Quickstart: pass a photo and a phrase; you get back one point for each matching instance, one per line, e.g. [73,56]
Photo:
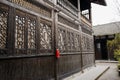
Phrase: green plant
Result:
[117,54]
[118,66]
[114,46]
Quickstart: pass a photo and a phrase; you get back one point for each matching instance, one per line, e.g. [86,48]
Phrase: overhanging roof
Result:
[101,2]
[86,4]
[106,29]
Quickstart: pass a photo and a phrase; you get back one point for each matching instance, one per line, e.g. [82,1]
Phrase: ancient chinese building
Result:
[103,33]
[32,30]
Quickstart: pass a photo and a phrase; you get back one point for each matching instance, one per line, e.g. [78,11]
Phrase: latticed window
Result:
[72,42]
[3,29]
[61,39]
[20,32]
[31,5]
[68,41]
[31,34]
[45,35]
[87,43]
[83,42]
[77,42]
[92,45]
[25,32]
[67,22]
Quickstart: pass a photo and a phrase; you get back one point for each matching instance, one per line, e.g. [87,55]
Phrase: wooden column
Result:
[54,25]
[11,30]
[90,15]
[79,16]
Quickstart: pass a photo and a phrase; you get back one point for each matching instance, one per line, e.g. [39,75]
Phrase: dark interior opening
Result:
[84,4]
[74,2]
[101,52]
[100,2]
[104,49]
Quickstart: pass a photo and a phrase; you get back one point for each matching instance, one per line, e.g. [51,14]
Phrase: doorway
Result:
[101,52]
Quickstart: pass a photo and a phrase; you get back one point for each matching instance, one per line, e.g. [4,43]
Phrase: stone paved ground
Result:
[110,74]
[98,72]
[91,73]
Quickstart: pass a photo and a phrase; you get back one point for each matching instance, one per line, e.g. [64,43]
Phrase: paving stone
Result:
[90,74]
[111,74]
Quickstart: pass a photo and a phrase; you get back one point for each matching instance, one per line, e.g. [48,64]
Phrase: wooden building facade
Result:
[103,33]
[32,30]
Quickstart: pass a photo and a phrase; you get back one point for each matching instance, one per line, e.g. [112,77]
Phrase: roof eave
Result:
[100,2]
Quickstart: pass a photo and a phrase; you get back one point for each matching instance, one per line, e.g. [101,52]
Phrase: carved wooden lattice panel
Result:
[86,30]
[83,42]
[61,39]
[67,22]
[19,32]
[25,33]
[3,29]
[72,41]
[68,41]
[87,43]
[77,42]
[31,34]
[31,5]
[51,1]
[45,36]
[92,44]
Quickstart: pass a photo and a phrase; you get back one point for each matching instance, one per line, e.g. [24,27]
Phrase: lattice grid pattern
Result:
[72,41]
[45,36]
[61,39]
[67,22]
[19,32]
[31,34]
[3,28]
[68,41]
[84,42]
[92,44]
[87,43]
[77,42]
[31,6]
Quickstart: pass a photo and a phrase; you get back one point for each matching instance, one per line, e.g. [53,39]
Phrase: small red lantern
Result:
[57,53]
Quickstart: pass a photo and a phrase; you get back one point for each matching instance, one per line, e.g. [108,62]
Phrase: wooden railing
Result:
[51,0]
[65,4]
[86,20]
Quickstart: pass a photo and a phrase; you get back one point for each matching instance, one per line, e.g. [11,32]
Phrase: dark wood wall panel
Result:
[68,64]
[40,68]
[88,60]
